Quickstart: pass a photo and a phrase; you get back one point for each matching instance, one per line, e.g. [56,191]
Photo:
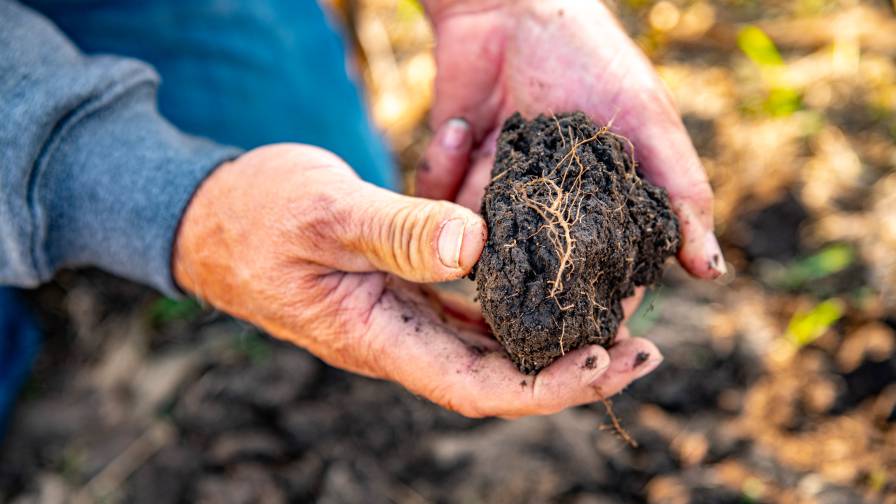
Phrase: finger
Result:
[630,304]
[433,360]
[643,112]
[414,238]
[350,225]
[446,161]
[490,385]
[473,188]
[630,359]
[700,252]
[667,158]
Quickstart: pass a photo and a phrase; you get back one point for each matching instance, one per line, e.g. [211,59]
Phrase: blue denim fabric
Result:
[240,72]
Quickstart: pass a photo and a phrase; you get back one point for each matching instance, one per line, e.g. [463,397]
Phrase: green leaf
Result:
[781,98]
[782,101]
[831,259]
[806,327]
[757,46]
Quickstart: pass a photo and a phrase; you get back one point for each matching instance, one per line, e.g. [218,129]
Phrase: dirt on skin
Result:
[573,229]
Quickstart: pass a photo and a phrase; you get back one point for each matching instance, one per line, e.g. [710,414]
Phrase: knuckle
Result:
[408,236]
[313,158]
[541,402]
[316,222]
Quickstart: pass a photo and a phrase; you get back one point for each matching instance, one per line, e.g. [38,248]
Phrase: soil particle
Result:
[641,358]
[590,362]
[572,230]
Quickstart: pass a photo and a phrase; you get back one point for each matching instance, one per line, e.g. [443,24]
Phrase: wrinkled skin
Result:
[289,238]
[541,56]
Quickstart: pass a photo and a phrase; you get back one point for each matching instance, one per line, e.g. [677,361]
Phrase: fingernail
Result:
[713,252]
[451,238]
[455,134]
[593,367]
[646,362]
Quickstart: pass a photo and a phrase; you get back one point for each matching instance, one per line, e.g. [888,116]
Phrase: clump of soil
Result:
[573,228]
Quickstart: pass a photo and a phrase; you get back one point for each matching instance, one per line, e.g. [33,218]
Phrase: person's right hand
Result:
[289,238]
[497,57]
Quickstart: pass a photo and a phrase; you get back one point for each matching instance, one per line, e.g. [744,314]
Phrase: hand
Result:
[495,57]
[289,238]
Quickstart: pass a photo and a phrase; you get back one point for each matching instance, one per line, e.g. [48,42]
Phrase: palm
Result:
[438,346]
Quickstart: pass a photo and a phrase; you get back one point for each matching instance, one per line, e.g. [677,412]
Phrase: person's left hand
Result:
[495,57]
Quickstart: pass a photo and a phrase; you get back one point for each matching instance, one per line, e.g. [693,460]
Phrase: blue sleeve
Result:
[90,173]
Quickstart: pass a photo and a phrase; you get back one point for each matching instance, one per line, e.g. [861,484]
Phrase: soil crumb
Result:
[641,358]
[590,362]
[573,229]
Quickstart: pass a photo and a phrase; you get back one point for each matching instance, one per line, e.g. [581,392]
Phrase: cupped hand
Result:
[495,57]
[289,238]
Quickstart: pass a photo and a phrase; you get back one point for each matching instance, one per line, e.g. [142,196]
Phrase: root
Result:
[617,426]
[562,334]
[498,176]
[559,129]
[559,205]
[592,299]
[559,218]
[563,209]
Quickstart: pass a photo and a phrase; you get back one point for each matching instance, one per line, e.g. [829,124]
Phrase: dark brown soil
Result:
[573,229]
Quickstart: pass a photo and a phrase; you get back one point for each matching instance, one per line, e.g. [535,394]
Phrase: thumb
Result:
[417,239]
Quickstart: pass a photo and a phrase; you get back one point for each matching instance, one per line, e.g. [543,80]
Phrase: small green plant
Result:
[829,260]
[807,326]
[781,99]
[757,46]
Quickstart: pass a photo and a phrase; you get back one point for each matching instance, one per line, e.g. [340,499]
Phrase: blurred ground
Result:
[779,383]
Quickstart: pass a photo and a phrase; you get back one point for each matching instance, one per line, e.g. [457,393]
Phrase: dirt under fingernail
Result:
[641,358]
[590,362]
[573,229]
